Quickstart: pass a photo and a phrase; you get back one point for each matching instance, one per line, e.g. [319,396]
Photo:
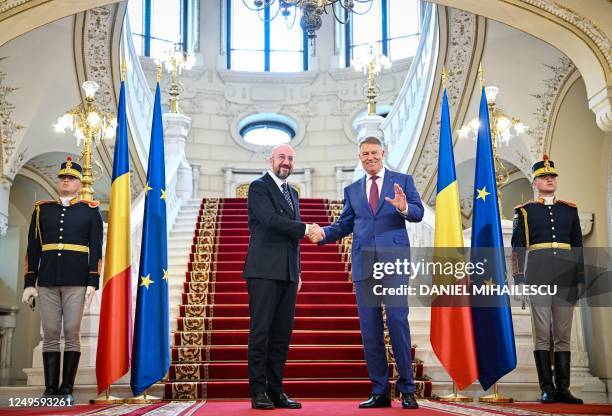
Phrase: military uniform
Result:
[63,258]
[547,250]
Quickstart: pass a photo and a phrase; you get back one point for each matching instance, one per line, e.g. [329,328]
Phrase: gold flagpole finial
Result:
[123,70]
[481,75]
[159,72]
[444,76]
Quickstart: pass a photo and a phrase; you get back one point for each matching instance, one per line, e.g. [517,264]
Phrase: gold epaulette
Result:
[571,204]
[92,204]
[523,204]
[45,201]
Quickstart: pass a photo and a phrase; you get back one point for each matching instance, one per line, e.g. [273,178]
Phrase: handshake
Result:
[315,233]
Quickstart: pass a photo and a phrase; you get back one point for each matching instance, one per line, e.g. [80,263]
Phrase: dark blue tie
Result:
[286,195]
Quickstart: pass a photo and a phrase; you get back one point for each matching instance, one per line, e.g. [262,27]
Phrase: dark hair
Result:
[371,140]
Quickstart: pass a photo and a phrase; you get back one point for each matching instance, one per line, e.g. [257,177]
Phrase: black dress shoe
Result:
[409,401]
[284,402]
[261,401]
[376,400]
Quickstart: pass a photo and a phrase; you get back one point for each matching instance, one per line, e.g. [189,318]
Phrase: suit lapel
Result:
[296,203]
[363,197]
[278,194]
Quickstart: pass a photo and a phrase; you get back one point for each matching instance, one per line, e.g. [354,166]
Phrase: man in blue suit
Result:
[375,211]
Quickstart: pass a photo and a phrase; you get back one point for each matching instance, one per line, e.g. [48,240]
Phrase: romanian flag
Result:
[451,331]
[491,314]
[151,353]
[115,330]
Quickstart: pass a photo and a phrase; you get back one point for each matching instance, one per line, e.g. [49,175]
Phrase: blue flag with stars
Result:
[493,330]
[151,345]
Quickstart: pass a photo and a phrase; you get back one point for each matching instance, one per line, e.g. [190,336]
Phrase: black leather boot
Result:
[562,378]
[69,371]
[51,367]
[545,377]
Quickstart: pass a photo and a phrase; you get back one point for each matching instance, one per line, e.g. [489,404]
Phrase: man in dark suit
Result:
[272,270]
[379,235]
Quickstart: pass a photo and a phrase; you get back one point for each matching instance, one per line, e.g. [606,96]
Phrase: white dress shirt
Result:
[279,182]
[379,182]
[66,200]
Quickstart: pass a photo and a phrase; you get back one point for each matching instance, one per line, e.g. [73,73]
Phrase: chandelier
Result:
[175,60]
[503,129]
[90,125]
[371,64]
[311,11]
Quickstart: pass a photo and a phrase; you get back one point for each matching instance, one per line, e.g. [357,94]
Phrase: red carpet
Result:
[210,346]
[564,409]
[310,407]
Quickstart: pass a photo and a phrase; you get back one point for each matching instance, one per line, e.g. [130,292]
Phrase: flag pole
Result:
[496,397]
[106,398]
[455,396]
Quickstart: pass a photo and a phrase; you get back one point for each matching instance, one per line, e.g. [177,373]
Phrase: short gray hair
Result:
[371,140]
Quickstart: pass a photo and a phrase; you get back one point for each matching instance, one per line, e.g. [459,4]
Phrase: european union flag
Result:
[493,330]
[151,347]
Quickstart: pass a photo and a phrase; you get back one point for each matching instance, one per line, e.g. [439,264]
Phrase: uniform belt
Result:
[554,244]
[70,247]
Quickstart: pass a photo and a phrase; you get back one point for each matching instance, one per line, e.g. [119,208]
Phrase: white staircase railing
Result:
[404,123]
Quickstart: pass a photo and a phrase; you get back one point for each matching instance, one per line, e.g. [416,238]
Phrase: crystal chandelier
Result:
[90,126]
[311,11]
[503,129]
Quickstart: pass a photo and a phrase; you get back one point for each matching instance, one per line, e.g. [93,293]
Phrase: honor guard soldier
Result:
[63,259]
[547,250]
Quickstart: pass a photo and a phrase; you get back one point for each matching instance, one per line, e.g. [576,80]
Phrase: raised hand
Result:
[399,201]
[315,233]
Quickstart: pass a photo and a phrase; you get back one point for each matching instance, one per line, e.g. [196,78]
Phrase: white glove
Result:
[90,294]
[29,293]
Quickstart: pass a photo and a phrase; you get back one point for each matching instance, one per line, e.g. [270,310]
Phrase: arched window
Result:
[267,129]
[159,25]
[393,26]
[264,41]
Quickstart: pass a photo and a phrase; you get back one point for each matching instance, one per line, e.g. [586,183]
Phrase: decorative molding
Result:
[586,222]
[461,48]
[581,22]
[283,78]
[3,224]
[8,126]
[98,29]
[546,109]
[6,5]
[97,36]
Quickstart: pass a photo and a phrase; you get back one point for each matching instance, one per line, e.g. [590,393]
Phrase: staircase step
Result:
[298,370]
[238,337]
[306,266]
[307,275]
[240,310]
[242,323]
[307,286]
[305,256]
[242,297]
[214,353]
